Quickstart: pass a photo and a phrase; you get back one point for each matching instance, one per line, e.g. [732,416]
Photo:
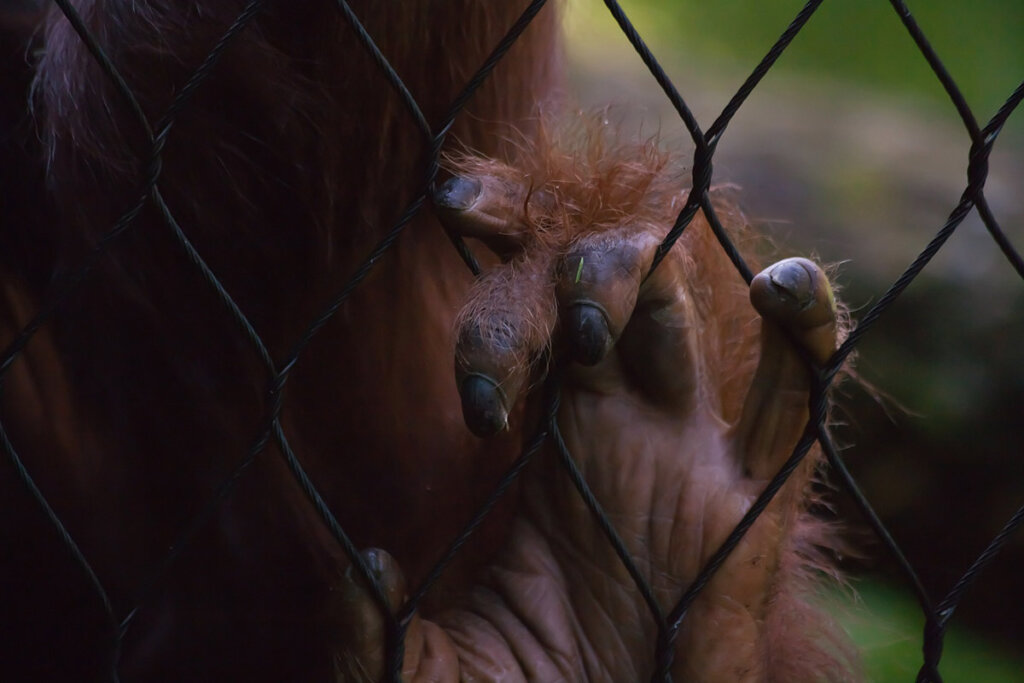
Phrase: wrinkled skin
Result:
[646,416]
[140,395]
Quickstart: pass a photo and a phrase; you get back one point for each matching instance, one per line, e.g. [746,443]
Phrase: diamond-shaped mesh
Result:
[937,613]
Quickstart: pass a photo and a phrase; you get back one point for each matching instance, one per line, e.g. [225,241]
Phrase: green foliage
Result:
[862,41]
[888,630]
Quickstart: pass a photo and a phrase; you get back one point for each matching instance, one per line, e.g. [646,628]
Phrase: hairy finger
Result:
[361,625]
[489,208]
[798,308]
[597,285]
[796,295]
[504,328]
[608,300]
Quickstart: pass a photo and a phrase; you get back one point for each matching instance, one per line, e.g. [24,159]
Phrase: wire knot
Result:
[702,168]
[977,166]
[932,649]
[664,656]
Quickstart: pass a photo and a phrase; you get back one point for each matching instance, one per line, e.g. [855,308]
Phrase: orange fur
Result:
[141,396]
[591,177]
[284,168]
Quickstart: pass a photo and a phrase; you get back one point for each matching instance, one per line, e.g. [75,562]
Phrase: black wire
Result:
[982,138]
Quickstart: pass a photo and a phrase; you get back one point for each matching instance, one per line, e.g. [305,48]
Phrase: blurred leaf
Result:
[862,41]
[888,628]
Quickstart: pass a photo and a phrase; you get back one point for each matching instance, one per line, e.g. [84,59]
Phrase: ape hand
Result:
[672,426]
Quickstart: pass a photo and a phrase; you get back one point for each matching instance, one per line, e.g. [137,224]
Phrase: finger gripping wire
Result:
[269,431]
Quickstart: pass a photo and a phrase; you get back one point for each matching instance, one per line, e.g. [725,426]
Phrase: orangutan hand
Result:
[664,413]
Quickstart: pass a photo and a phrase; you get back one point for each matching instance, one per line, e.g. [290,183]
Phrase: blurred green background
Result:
[850,151]
[857,41]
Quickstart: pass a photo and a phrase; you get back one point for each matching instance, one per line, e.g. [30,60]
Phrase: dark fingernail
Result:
[587,329]
[792,281]
[375,561]
[458,193]
[483,406]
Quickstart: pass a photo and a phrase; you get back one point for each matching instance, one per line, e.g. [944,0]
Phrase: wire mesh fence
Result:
[937,611]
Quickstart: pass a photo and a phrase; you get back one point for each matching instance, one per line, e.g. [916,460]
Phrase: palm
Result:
[664,415]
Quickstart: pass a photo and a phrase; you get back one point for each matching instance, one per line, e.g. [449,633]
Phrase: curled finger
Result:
[504,328]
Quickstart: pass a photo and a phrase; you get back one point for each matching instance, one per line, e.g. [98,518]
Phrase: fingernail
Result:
[458,193]
[792,280]
[483,405]
[587,329]
[374,561]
